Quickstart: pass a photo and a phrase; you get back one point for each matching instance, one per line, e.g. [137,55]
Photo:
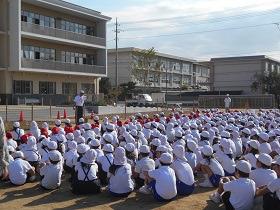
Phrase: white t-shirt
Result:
[165,182]
[12,143]
[227,102]
[214,165]
[69,157]
[18,171]
[242,193]
[274,186]
[146,164]
[80,100]
[52,175]
[238,147]
[183,171]
[16,134]
[121,182]
[91,172]
[31,155]
[100,153]
[192,159]
[106,162]
[227,163]
[262,176]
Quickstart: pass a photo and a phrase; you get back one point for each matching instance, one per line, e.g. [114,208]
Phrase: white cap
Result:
[144,149]
[192,145]
[96,118]
[205,134]
[16,124]
[89,157]
[11,149]
[265,159]
[82,92]
[155,124]
[57,122]
[243,166]
[253,143]
[129,147]
[80,140]
[179,152]
[156,133]
[277,161]
[161,127]
[81,120]
[246,131]
[207,150]
[108,137]
[265,148]
[134,133]
[108,148]
[70,136]
[162,148]
[61,138]
[156,142]
[166,158]
[119,156]
[225,134]
[147,125]
[87,126]
[193,125]
[82,148]
[18,154]
[94,143]
[110,126]
[178,134]
[55,156]
[264,136]
[72,145]
[31,141]
[67,121]
[52,145]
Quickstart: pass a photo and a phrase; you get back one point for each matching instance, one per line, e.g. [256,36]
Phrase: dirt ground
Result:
[31,196]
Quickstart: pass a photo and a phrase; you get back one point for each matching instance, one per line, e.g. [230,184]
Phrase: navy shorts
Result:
[120,195]
[184,189]
[157,197]
[215,179]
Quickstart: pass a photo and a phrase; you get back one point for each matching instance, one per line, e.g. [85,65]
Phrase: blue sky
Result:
[198,29]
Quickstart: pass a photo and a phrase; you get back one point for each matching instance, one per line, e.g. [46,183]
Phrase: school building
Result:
[49,50]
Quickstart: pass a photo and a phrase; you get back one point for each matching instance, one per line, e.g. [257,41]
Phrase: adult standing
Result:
[79,105]
[227,103]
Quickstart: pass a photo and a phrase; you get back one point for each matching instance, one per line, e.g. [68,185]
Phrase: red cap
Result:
[24,138]
[9,135]
[55,130]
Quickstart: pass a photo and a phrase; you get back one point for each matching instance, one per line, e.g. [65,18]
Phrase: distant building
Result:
[50,49]
[238,73]
[176,71]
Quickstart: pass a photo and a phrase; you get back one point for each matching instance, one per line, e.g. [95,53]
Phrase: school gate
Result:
[238,101]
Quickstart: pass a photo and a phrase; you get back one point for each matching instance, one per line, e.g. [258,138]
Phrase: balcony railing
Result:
[59,33]
[61,66]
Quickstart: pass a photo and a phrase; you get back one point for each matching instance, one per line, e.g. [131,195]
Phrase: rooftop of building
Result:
[248,57]
[64,6]
[134,49]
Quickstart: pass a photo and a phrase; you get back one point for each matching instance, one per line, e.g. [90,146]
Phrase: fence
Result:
[238,101]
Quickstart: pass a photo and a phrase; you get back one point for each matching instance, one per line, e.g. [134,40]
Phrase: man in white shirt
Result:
[237,193]
[20,169]
[79,105]
[227,103]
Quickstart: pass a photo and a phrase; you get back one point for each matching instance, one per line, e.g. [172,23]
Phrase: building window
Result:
[23,87]
[30,52]
[47,87]
[78,58]
[88,88]
[77,28]
[37,19]
[69,88]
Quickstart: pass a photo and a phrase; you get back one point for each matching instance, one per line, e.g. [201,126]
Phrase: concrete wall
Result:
[236,74]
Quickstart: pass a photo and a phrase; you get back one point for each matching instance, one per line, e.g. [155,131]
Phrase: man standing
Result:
[227,103]
[79,105]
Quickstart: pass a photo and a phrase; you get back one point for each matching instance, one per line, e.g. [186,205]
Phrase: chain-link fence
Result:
[238,101]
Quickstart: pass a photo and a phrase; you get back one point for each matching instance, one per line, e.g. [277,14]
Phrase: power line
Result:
[207,21]
[199,32]
[192,15]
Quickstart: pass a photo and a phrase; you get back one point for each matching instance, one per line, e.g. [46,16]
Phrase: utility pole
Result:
[117,31]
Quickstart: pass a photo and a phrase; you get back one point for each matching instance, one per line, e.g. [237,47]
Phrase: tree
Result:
[127,88]
[105,86]
[267,82]
[145,61]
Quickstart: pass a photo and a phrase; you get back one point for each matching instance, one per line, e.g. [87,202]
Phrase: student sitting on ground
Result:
[51,171]
[86,180]
[210,167]
[20,170]
[271,192]
[104,163]
[162,181]
[183,171]
[120,183]
[236,193]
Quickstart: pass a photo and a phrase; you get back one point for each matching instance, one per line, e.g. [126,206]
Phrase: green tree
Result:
[127,88]
[145,64]
[268,82]
[105,85]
